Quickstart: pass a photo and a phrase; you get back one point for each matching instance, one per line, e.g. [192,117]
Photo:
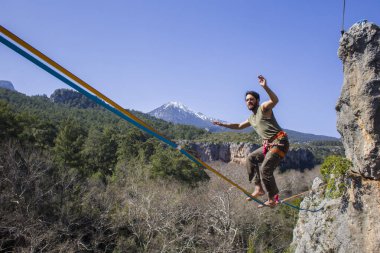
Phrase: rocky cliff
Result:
[359,104]
[296,158]
[350,223]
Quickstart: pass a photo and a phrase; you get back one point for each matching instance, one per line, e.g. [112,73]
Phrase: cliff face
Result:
[226,152]
[351,223]
[359,104]
[347,224]
[297,158]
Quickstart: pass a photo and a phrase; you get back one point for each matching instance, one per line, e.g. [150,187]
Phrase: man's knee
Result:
[269,166]
[267,174]
[253,159]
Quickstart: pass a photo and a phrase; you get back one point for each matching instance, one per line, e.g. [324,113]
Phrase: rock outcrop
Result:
[72,98]
[359,104]
[299,159]
[226,152]
[296,158]
[7,85]
[350,223]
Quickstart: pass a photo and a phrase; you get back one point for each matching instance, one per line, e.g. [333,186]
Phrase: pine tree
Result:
[69,144]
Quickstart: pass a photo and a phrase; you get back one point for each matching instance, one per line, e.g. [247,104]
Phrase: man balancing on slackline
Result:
[275,142]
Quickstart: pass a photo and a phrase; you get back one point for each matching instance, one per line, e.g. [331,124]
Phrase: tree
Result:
[69,144]
[100,150]
[170,163]
[130,144]
[9,127]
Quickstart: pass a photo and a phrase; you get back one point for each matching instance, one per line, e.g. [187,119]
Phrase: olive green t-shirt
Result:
[266,127]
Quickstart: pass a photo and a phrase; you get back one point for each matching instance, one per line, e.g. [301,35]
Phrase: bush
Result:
[334,169]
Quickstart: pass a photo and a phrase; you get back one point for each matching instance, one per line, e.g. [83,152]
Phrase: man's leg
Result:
[268,166]
[270,163]
[253,170]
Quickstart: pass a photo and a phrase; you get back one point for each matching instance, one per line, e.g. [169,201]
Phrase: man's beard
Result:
[254,107]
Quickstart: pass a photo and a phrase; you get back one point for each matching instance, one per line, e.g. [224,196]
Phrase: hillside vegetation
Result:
[73,177]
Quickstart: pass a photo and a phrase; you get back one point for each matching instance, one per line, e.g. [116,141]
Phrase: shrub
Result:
[334,169]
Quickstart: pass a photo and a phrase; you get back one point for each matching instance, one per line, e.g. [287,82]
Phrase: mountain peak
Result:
[176,105]
[178,113]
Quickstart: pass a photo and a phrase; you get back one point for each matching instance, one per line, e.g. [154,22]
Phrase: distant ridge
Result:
[179,113]
[173,112]
[306,137]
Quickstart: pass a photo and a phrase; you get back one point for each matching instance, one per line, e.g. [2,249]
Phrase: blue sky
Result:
[203,53]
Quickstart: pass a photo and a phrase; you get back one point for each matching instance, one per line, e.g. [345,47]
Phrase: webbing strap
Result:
[277,151]
[115,108]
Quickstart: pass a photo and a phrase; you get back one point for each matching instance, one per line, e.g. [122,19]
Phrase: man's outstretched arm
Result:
[237,126]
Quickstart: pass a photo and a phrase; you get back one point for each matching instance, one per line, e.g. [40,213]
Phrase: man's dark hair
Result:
[253,93]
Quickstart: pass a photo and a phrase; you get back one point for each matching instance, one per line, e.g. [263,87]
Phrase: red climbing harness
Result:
[268,144]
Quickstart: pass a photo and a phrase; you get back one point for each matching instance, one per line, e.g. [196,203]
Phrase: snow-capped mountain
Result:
[179,113]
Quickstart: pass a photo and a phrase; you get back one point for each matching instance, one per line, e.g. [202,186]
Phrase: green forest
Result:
[76,178]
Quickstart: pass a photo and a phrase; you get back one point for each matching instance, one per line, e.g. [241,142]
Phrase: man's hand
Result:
[262,81]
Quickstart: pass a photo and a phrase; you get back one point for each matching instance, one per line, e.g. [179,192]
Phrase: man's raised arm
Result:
[273,99]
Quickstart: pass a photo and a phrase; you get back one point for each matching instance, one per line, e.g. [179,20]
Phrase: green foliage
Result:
[290,214]
[36,131]
[291,249]
[99,150]
[44,133]
[334,169]
[69,144]
[251,246]
[129,144]
[89,140]
[326,143]
[322,150]
[170,163]
[27,128]
[9,127]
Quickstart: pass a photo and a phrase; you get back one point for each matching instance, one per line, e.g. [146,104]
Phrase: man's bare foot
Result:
[269,203]
[257,193]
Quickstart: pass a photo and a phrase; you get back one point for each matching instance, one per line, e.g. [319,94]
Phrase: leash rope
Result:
[16,45]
